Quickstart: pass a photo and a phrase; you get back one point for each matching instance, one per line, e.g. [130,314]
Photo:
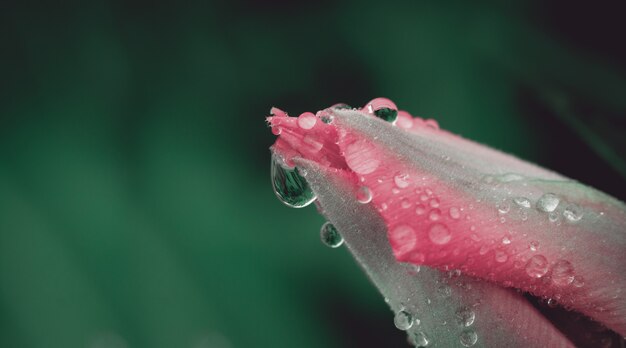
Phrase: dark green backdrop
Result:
[135,204]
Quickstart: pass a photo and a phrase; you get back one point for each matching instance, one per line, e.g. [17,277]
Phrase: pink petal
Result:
[451,203]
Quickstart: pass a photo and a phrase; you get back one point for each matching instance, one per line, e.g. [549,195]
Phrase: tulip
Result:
[483,227]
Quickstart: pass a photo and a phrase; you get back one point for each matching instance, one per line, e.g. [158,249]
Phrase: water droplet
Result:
[573,213]
[361,157]
[434,203]
[537,266]
[562,273]
[534,245]
[506,240]
[504,207]
[502,220]
[289,186]
[548,202]
[430,123]
[403,320]
[403,238]
[455,213]
[401,180]
[465,316]
[423,197]
[439,234]
[405,203]
[420,339]
[468,338]
[552,303]
[420,209]
[553,216]
[434,215]
[341,106]
[330,236]
[364,195]
[522,202]
[384,109]
[501,256]
[307,120]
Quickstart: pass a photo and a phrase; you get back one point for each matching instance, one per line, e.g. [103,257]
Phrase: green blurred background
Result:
[135,202]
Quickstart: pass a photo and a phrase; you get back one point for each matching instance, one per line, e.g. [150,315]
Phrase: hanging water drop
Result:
[330,236]
[289,186]
[573,213]
[548,202]
[420,339]
[403,320]
[468,338]
[537,266]
[364,195]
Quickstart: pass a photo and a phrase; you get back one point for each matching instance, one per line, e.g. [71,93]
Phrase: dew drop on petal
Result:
[522,202]
[360,157]
[307,120]
[578,282]
[383,108]
[548,202]
[454,213]
[573,213]
[465,316]
[330,236]
[403,238]
[420,209]
[534,245]
[501,256]
[364,195]
[401,180]
[434,215]
[405,203]
[504,207]
[439,234]
[562,273]
[468,338]
[403,320]
[506,240]
[537,266]
[289,186]
[553,216]
[434,203]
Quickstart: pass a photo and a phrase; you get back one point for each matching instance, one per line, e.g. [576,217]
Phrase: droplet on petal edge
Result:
[289,186]
[330,236]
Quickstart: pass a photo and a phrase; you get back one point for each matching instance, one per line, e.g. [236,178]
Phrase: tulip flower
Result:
[456,235]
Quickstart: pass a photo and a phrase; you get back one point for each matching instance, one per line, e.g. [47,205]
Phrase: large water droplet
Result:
[289,186]
[537,266]
[468,338]
[307,120]
[330,236]
[401,180]
[364,195]
[361,157]
[383,108]
[573,213]
[562,273]
[522,202]
[548,202]
[403,238]
[403,320]
[465,316]
[439,234]
[420,339]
